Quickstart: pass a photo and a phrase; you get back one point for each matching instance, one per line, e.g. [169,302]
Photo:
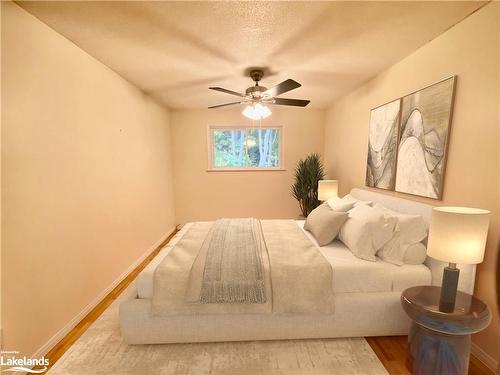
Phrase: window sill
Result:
[245,170]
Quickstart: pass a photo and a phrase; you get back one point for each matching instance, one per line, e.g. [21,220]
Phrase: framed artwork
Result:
[423,139]
[382,145]
[408,141]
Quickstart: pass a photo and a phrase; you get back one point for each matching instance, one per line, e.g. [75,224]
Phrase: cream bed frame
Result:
[356,314]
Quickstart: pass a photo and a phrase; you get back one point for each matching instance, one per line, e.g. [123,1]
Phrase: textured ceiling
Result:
[175,50]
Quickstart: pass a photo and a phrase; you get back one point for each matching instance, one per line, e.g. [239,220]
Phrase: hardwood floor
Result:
[391,350]
[393,353]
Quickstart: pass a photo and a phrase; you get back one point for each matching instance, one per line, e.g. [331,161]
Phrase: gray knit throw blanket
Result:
[234,272]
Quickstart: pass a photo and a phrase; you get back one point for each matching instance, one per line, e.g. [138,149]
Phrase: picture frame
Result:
[416,164]
[382,145]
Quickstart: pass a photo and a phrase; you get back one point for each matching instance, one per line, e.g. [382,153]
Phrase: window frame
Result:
[210,159]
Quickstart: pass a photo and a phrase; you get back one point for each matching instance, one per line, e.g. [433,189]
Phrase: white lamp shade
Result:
[327,189]
[458,234]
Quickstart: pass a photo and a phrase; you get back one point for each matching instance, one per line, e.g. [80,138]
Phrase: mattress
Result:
[350,274]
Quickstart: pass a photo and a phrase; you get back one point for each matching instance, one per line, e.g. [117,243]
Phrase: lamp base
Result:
[449,288]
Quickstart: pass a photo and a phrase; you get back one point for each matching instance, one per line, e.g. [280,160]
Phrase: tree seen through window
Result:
[246,148]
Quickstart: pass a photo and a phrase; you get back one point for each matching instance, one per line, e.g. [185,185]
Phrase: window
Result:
[245,148]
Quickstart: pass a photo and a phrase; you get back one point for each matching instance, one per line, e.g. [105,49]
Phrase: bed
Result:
[366,298]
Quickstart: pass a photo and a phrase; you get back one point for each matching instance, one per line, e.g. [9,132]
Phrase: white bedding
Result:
[355,275]
[350,274]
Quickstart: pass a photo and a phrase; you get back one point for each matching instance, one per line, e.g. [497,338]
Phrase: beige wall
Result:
[471,51]
[87,185]
[202,195]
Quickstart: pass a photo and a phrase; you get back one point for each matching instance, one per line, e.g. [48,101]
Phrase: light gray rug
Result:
[101,351]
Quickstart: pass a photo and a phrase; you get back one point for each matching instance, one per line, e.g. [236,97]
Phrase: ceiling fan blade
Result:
[223,105]
[227,91]
[282,87]
[294,102]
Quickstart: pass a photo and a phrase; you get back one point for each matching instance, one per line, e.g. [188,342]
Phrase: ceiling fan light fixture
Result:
[256,95]
[256,111]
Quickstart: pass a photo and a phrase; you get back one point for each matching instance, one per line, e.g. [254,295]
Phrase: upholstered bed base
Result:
[356,314]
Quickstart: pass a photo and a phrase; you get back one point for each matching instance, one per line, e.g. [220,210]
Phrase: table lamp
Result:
[456,235]
[327,189]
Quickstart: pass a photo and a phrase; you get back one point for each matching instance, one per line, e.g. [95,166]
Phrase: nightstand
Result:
[440,342]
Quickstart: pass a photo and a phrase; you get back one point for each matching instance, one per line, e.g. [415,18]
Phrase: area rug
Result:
[101,351]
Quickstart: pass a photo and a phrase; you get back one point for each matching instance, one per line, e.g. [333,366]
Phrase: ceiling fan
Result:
[258,96]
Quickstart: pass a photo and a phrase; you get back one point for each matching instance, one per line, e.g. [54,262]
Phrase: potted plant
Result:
[305,188]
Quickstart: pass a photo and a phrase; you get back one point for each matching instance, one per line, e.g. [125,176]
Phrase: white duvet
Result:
[350,274]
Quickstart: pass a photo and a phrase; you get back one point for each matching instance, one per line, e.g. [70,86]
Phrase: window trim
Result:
[210,158]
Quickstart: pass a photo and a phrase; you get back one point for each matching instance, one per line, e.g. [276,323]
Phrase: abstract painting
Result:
[423,139]
[382,145]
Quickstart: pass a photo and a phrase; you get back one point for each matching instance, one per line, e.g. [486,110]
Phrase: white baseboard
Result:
[73,322]
[484,357]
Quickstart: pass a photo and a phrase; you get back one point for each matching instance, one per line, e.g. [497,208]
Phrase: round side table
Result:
[440,342]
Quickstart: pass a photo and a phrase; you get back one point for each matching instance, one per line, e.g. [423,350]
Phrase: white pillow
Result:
[385,228]
[412,228]
[415,254]
[366,230]
[356,201]
[324,223]
[398,252]
[339,204]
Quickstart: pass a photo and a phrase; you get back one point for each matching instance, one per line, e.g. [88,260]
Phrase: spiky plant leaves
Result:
[305,188]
